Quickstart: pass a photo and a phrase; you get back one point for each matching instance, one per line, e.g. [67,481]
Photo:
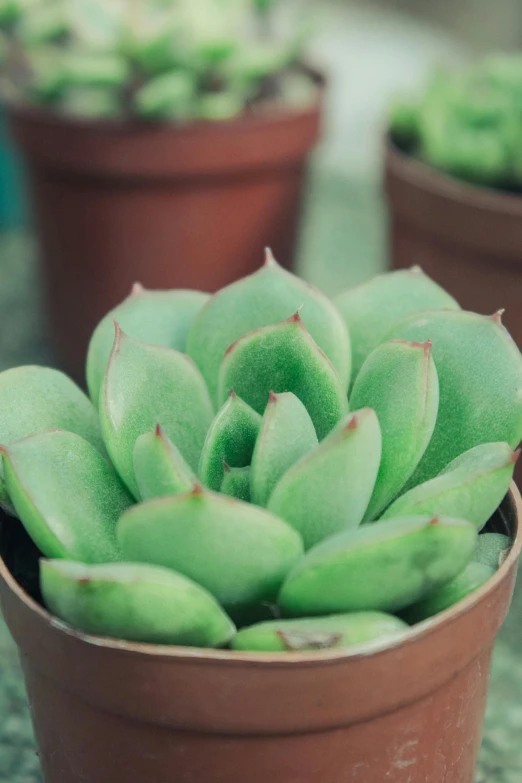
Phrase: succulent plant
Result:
[223,476]
[467,122]
[157,60]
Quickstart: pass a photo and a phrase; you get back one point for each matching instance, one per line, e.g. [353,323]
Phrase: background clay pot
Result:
[113,712]
[467,238]
[170,207]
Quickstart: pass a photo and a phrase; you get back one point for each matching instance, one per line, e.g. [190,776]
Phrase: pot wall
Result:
[166,206]
[468,239]
[113,712]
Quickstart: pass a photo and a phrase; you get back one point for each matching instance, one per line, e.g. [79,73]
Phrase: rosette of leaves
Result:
[222,469]
[172,60]
[467,122]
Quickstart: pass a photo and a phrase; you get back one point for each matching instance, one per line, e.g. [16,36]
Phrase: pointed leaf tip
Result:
[497,317]
[158,431]
[425,346]
[226,466]
[137,289]
[197,490]
[269,257]
[272,397]
[232,393]
[352,424]
[416,270]
[434,521]
[295,318]
[514,456]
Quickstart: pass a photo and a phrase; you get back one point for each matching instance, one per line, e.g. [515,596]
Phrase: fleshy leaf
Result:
[284,358]
[139,603]
[328,490]
[238,551]
[159,468]
[492,549]
[157,317]
[67,496]
[371,309]
[36,399]
[471,487]
[480,383]
[381,567]
[236,483]
[146,385]
[264,298]
[318,633]
[287,434]
[231,439]
[473,577]
[399,381]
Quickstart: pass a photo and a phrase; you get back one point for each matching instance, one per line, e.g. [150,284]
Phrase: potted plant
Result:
[163,142]
[453,184]
[220,572]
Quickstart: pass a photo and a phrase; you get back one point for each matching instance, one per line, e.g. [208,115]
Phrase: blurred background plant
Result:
[468,122]
[156,59]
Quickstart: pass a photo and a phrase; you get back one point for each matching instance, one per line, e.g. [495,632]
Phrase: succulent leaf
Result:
[159,468]
[287,434]
[492,549]
[318,633]
[236,483]
[399,382]
[230,439]
[67,496]
[471,487]
[139,603]
[465,583]
[382,567]
[157,317]
[480,383]
[328,490]
[145,385]
[237,551]
[262,299]
[35,399]
[284,358]
[371,309]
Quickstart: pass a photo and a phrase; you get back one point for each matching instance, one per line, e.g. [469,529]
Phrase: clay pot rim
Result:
[419,174]
[301,659]
[239,124]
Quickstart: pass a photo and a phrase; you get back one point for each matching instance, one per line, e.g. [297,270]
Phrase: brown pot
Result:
[114,712]
[170,207]
[467,238]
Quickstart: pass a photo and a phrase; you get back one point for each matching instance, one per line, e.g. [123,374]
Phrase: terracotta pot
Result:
[170,207]
[113,712]
[469,239]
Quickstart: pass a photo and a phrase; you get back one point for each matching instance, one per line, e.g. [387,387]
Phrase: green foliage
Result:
[465,583]
[467,122]
[339,631]
[232,499]
[385,566]
[175,61]
[134,602]
[237,551]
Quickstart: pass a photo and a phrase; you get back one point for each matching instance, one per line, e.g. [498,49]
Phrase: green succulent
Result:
[223,470]
[160,61]
[467,122]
